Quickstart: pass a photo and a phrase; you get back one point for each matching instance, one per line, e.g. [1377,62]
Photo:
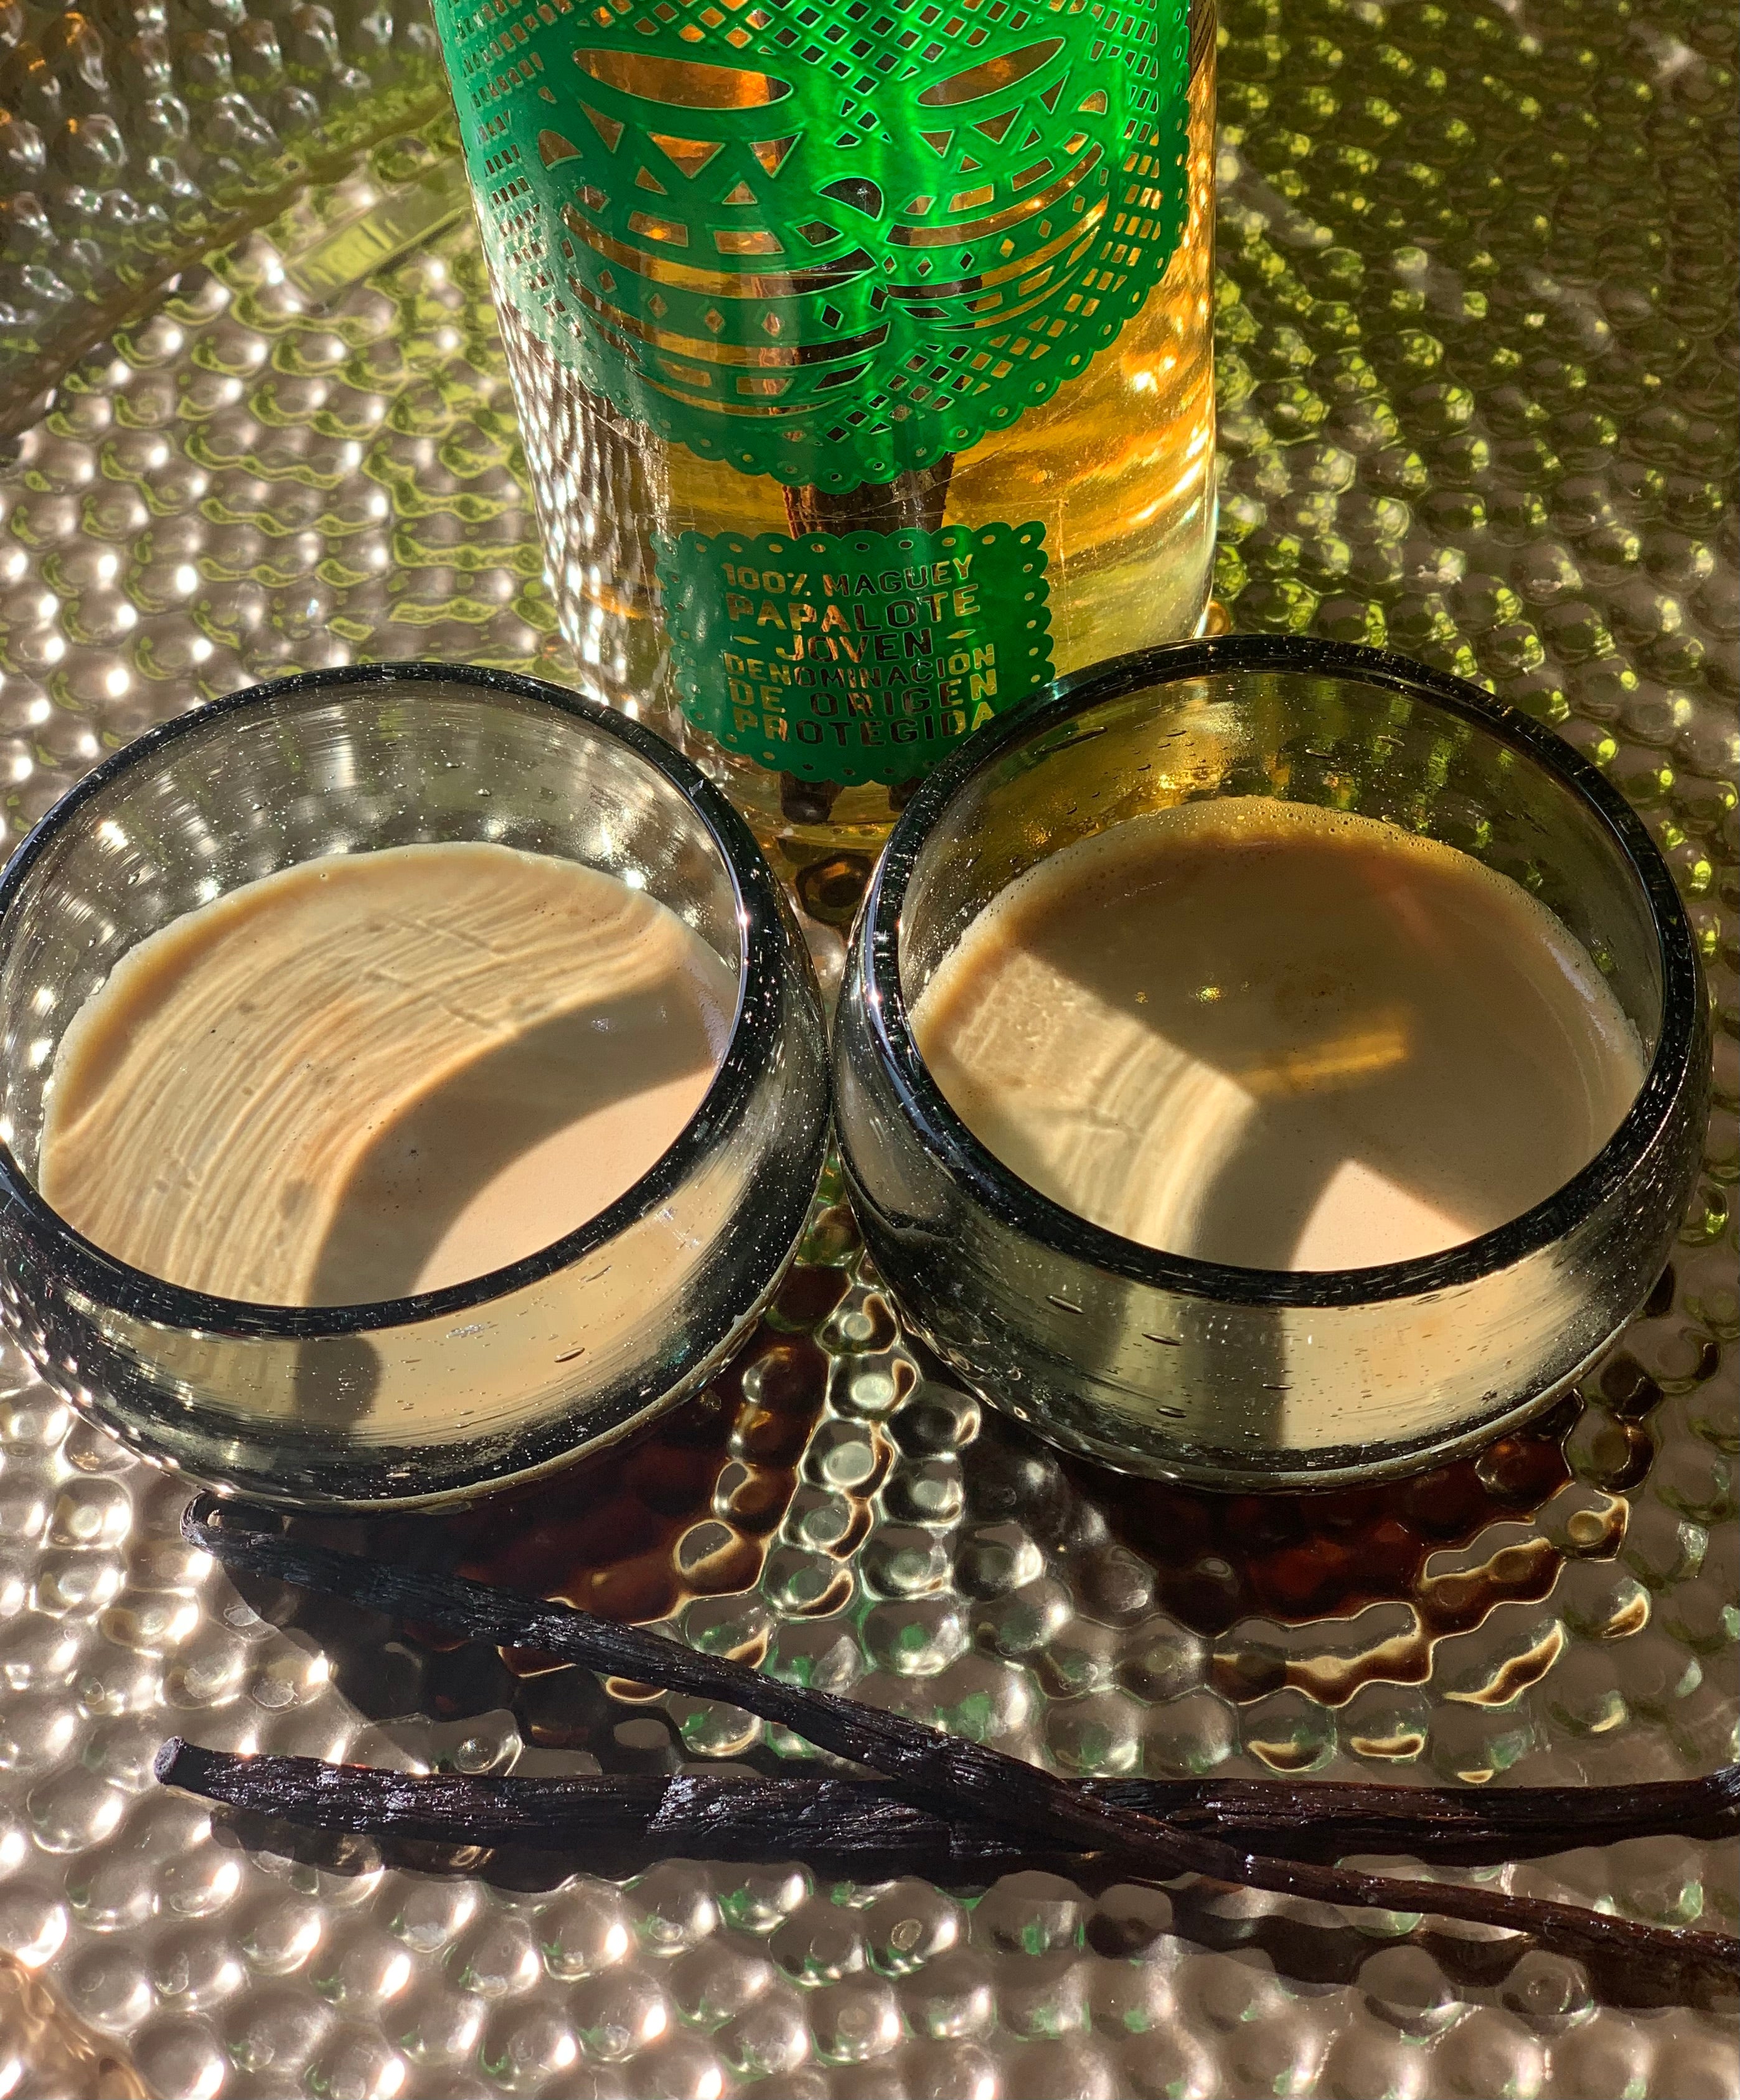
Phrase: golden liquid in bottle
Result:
[1117,465]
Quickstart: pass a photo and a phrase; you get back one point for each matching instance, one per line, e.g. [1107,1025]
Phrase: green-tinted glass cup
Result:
[1159,1365]
[511,1373]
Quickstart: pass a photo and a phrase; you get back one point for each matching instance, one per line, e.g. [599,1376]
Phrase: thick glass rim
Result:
[1022,1208]
[117,1284]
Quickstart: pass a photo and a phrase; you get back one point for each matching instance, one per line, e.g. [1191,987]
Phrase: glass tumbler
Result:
[514,1371]
[1242,1377]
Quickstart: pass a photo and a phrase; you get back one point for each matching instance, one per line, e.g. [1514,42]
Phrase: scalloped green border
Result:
[793,651]
[601,228]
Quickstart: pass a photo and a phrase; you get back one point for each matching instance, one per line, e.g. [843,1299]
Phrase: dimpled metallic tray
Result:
[1476,311]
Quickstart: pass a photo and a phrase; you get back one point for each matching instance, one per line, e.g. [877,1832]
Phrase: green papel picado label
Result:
[828,241]
[856,656]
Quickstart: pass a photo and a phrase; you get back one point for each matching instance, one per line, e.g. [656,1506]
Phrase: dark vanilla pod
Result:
[947,1773]
[721,1816]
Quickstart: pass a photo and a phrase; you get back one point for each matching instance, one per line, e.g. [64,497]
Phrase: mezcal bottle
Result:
[862,355]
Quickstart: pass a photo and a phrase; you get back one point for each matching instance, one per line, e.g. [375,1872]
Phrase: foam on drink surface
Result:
[376,1074]
[1277,1036]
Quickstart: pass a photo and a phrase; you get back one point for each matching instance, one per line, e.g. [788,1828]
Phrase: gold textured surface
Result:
[1477,367]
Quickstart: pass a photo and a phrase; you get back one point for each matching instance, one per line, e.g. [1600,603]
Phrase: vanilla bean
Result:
[915,499]
[947,1771]
[708,1816]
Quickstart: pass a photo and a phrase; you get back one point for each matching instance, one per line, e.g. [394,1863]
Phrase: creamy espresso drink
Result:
[381,1073]
[1278,1036]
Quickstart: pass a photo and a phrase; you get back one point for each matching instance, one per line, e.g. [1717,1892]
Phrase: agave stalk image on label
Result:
[782,282]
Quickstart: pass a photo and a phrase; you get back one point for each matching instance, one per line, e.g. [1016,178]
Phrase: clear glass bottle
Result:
[863,357]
